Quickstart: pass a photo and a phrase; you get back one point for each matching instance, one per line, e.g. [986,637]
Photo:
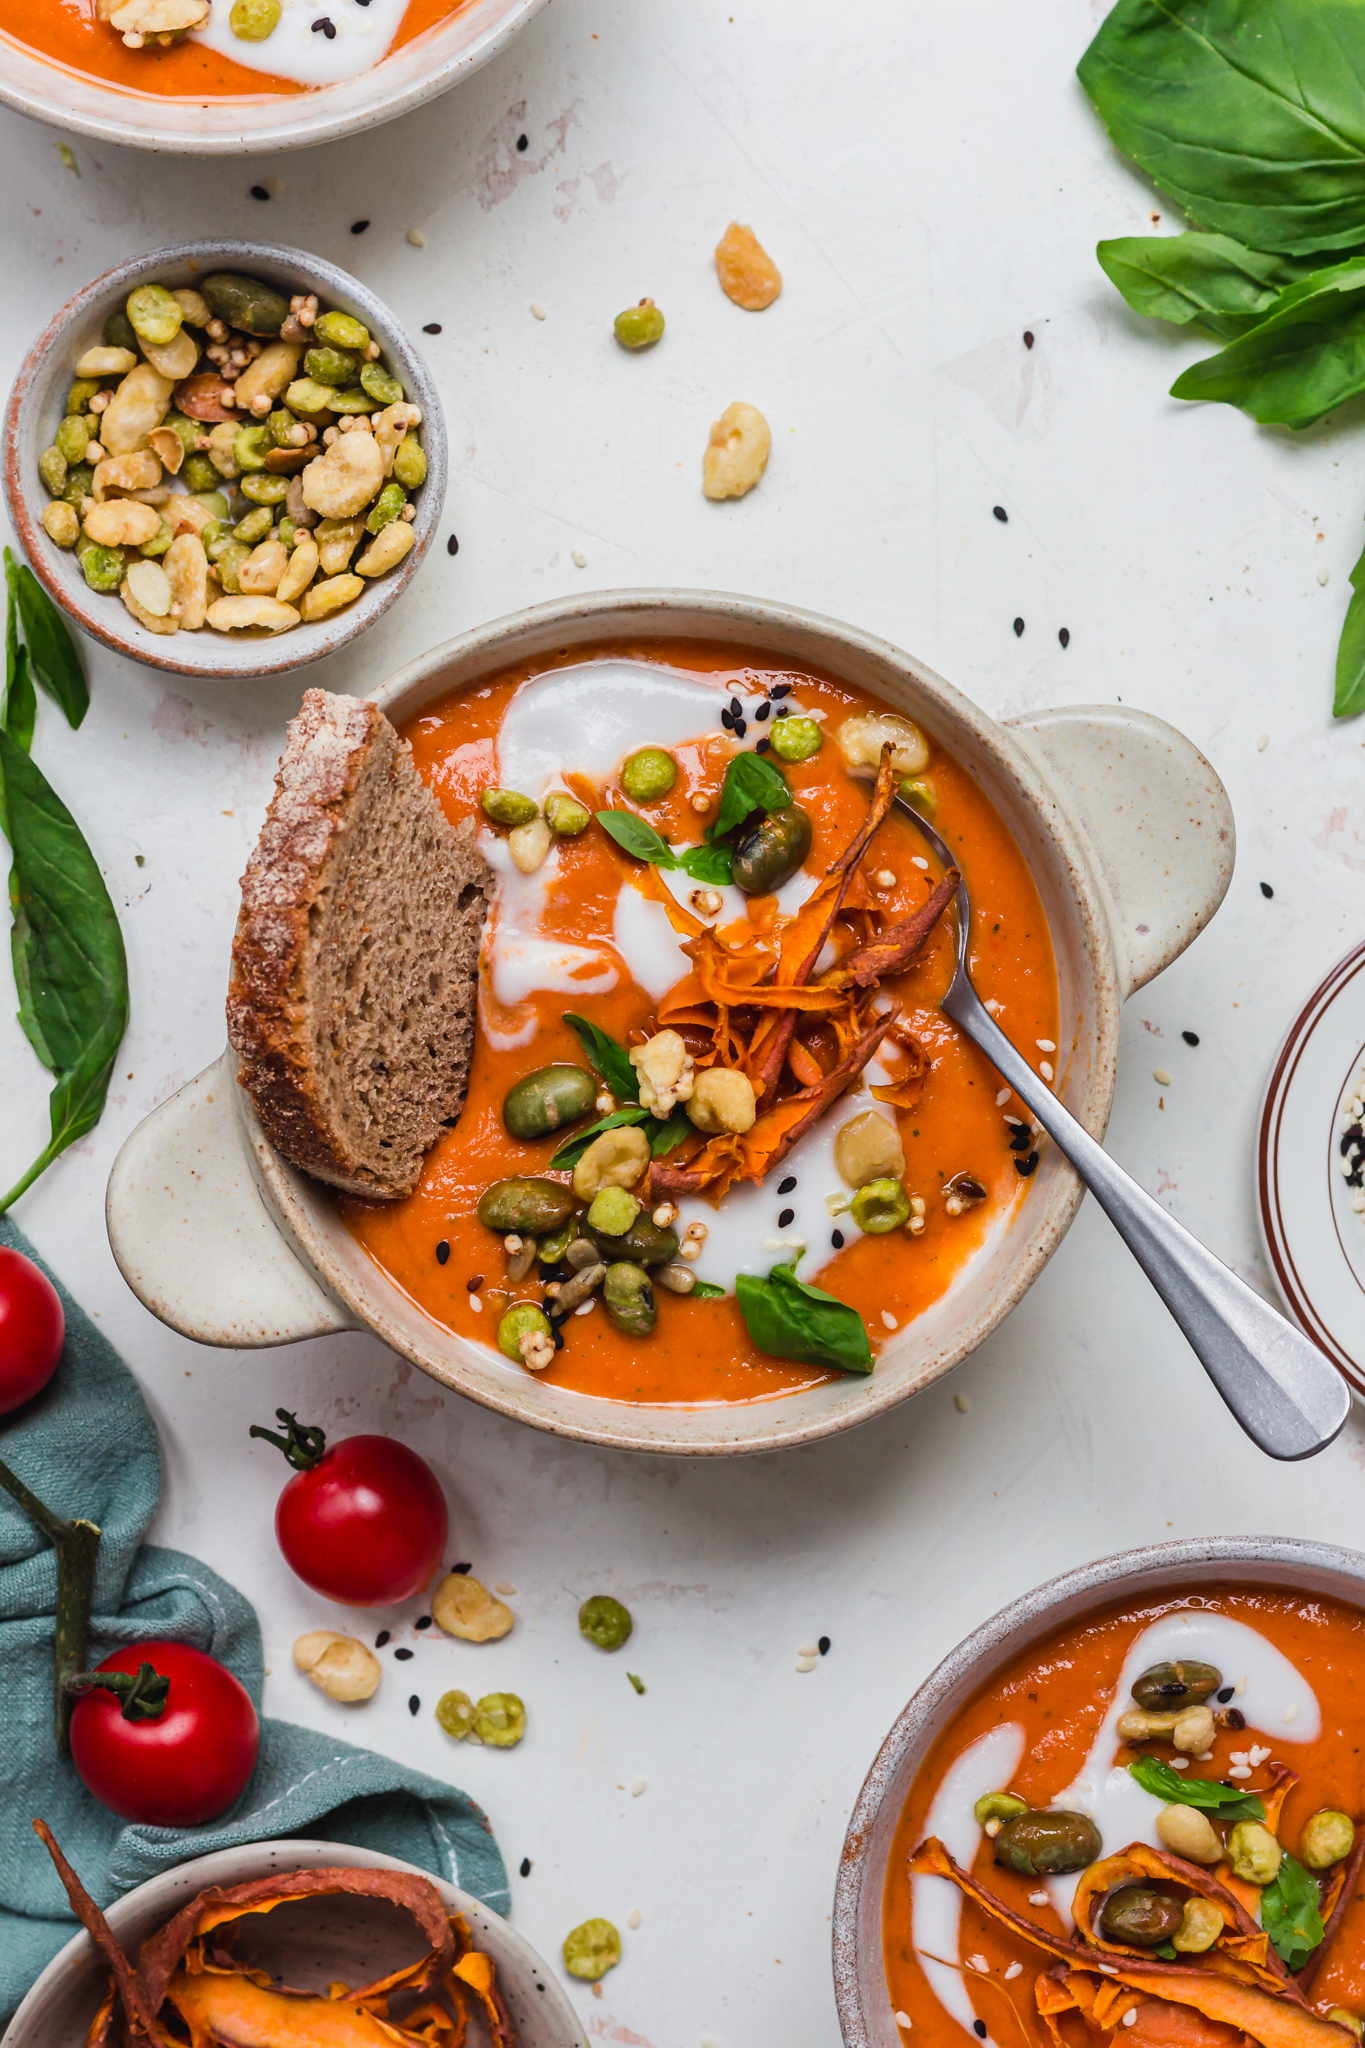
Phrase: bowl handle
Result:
[1155,816]
[192,1235]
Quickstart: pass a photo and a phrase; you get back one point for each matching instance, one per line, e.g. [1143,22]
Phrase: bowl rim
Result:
[958,1676]
[302,132]
[380,1305]
[241,1861]
[283,652]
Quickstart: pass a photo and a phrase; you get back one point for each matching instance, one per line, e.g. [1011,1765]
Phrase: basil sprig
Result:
[788,1318]
[1291,1913]
[70,971]
[609,1059]
[705,1290]
[612,1062]
[637,837]
[1164,1783]
[751,784]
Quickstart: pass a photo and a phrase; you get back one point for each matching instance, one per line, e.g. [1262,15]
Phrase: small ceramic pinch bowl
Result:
[306,1944]
[38,402]
[1271,1563]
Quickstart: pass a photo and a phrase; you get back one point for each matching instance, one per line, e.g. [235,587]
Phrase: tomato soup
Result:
[213,62]
[1273,1865]
[593,933]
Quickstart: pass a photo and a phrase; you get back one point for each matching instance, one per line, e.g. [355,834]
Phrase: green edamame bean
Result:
[309,400]
[1047,1844]
[342,331]
[920,794]
[199,473]
[80,482]
[591,1950]
[499,1720]
[254,527]
[82,391]
[795,739]
[227,561]
[524,1319]
[644,1242]
[253,20]
[101,567]
[529,1206]
[639,326]
[550,1251]
[879,1206]
[382,386]
[159,541]
[245,302]
[455,1714]
[548,1099]
[998,1806]
[386,507]
[74,436]
[264,489]
[1141,1917]
[153,314]
[565,816]
[117,331]
[649,775]
[1167,1688]
[508,807]
[612,1210]
[605,1621]
[250,446]
[52,469]
[286,533]
[355,398]
[335,366]
[628,1299]
[279,425]
[772,852]
[409,462]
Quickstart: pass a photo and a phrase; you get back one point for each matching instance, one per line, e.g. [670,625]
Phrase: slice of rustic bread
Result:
[355,962]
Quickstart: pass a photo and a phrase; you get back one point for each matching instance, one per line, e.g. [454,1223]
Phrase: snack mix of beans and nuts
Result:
[233,458]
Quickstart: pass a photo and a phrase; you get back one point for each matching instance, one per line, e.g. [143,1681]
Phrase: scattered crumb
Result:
[962,1404]
[748,276]
[417,238]
[68,157]
[503,1588]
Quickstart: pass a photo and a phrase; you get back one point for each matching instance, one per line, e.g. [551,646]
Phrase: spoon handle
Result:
[1285,1393]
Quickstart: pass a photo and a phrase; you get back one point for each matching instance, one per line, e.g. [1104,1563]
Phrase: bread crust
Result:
[339,752]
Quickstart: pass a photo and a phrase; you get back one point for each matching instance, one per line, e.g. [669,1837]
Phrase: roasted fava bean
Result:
[508,807]
[643,1241]
[1190,1729]
[1254,1853]
[101,567]
[455,1714]
[998,1806]
[565,816]
[1047,1844]
[862,738]
[629,1299]
[1201,1923]
[612,1210]
[61,523]
[251,21]
[386,550]
[525,1336]
[499,1720]
[722,1099]
[795,739]
[868,1148]
[342,331]
[529,844]
[605,1621]
[74,436]
[1140,1917]
[551,1250]
[246,303]
[462,1607]
[1168,1687]
[263,489]
[772,852]
[386,507]
[380,385]
[1187,1832]
[648,775]
[52,469]
[526,1206]
[409,462]
[254,526]
[1328,1838]
[338,1665]
[618,1158]
[335,366]
[153,314]
[547,1100]
[879,1206]
[591,1950]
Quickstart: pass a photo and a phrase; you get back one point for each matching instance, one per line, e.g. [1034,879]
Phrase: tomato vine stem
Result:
[77,1546]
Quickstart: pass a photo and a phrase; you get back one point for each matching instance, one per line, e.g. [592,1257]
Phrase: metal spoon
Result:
[1287,1396]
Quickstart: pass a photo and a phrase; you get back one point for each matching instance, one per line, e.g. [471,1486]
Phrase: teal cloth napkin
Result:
[88,1447]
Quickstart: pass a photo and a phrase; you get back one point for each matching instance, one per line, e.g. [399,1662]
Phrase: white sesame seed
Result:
[961,1403]
[1257,1754]
[1003,1097]
[633,1917]
[918,861]
[503,1588]
[476,1304]
[1238,1771]
[1045,1045]
[884,878]
[1324,575]
[1204,1756]
[1039,1899]
[773,1244]
[1045,1069]
[1180,1763]
[1161,1077]
[1238,1756]
[637,1786]
[417,238]
[580,560]
[1109,1969]
[807,1663]
[1262,742]
[1014,1970]
[889,1319]
[903,2019]
[1291,1712]
[808,1650]
[979,1963]
[585,1308]
[1240,1687]
[537,310]
[709,2041]
[1130,2017]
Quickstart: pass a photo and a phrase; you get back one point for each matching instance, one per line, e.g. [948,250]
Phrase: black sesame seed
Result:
[452,546]
[1065,636]
[1001,514]
[1225,1695]
[402,1655]
[259,192]
[526,1866]
[422,1621]
[836,1238]
[381,1639]
[432,326]
[740,728]
[1266,889]
[1190,1037]
[475,1284]
[737,709]
[784,1187]
[780,690]
[784,1217]
[1028,338]
[762,712]
[727,719]
[558,1336]
[462,1568]
[1018,629]
[782,711]
[979,2029]
[762,746]
[555,1311]
[443,1251]
[823,1646]
[1025,1166]
[413,1703]
[523,142]
[358,227]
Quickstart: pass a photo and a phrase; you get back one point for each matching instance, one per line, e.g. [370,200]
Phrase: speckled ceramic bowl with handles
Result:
[308,1945]
[247,125]
[38,402]
[1129,836]
[866,2014]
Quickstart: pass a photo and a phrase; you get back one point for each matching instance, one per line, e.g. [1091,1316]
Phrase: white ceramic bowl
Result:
[38,401]
[431,64]
[866,2014]
[309,1945]
[1129,836]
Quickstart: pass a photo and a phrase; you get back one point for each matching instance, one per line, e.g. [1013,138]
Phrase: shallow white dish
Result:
[347,1937]
[1314,1240]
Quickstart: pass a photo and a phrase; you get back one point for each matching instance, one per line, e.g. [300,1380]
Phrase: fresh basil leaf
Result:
[709,864]
[1304,358]
[610,1060]
[21,703]
[69,962]
[751,784]
[637,837]
[666,1137]
[1252,118]
[1168,1952]
[1177,1790]
[52,653]
[789,1319]
[1291,1913]
[1350,692]
[705,1290]
[1205,278]
[572,1150]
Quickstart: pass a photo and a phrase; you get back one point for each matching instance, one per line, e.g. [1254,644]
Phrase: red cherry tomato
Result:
[32,1329]
[188,1762]
[363,1523]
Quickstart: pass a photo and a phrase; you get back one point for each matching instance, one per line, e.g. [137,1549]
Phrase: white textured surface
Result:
[931,184]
